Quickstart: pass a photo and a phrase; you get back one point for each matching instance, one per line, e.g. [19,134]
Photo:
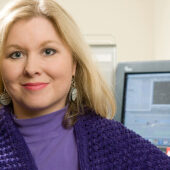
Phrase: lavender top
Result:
[52,146]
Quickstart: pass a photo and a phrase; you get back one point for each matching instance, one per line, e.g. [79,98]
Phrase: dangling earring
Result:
[5,98]
[73,91]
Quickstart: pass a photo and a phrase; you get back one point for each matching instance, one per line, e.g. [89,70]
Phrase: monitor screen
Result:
[147,106]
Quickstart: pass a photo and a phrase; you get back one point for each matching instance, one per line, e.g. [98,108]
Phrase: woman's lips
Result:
[35,86]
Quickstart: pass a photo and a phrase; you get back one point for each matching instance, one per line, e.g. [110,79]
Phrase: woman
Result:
[55,102]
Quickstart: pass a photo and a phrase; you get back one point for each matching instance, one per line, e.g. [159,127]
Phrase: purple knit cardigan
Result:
[102,145]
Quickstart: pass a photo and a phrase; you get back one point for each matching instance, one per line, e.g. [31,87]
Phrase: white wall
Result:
[3,2]
[130,22]
[162,29]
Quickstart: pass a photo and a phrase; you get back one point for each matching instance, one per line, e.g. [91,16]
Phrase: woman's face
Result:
[37,68]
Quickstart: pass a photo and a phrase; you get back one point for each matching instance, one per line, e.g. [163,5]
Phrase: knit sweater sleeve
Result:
[107,144]
[14,153]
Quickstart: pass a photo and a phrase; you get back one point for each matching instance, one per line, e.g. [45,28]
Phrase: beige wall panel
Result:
[162,30]
[130,22]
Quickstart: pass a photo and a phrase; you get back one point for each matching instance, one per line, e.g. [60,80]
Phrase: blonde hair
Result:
[92,90]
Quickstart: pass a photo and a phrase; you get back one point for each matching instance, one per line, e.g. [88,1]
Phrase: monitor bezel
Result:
[125,68]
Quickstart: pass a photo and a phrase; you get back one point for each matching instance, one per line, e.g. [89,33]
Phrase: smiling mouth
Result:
[35,86]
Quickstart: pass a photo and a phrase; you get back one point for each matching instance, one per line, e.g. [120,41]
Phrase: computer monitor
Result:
[143,99]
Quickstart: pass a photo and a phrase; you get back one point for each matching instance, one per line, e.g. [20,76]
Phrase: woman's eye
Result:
[15,55]
[49,51]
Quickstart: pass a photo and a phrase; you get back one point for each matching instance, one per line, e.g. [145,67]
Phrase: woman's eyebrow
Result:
[14,46]
[49,41]
[42,44]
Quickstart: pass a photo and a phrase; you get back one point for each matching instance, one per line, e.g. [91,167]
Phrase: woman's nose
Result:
[32,66]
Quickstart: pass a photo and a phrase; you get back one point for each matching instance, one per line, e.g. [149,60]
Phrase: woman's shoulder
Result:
[119,143]
[5,116]
[2,113]
[93,122]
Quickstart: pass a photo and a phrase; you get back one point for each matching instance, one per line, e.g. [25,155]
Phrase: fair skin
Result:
[37,68]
